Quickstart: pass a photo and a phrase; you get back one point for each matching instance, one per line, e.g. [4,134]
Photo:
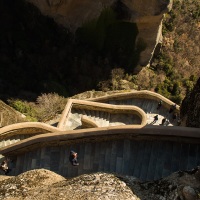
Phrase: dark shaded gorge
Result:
[37,55]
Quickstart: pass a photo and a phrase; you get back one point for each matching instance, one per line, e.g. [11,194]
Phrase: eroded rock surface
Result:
[43,184]
[190,108]
[147,14]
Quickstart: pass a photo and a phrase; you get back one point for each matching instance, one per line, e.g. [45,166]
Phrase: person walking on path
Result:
[159,104]
[155,119]
[173,107]
[5,167]
[73,158]
[174,116]
[178,121]
[163,121]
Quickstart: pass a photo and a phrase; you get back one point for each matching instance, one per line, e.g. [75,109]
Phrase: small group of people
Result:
[165,122]
[172,111]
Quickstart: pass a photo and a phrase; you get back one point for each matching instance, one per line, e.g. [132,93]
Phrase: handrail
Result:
[100,106]
[6,131]
[139,94]
[80,135]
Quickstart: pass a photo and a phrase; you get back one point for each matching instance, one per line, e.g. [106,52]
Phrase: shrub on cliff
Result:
[24,107]
[46,107]
[49,105]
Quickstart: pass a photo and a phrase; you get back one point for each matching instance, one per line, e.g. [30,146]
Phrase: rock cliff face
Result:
[9,116]
[190,108]
[147,14]
[44,184]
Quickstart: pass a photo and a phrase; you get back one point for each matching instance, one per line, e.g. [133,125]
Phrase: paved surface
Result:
[144,159]
[147,160]
[11,140]
[102,118]
[105,119]
[150,108]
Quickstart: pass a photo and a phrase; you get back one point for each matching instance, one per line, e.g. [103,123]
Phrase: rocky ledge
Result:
[44,185]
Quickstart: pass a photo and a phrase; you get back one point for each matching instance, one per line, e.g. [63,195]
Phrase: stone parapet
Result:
[143,94]
[105,134]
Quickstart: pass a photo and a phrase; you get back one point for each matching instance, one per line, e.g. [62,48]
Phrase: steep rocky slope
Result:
[175,68]
[190,108]
[9,116]
[146,14]
[44,185]
[39,55]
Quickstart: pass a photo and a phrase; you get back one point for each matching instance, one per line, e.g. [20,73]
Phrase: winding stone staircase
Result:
[111,134]
[103,115]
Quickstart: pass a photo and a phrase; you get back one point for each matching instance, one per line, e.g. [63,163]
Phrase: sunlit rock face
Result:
[147,14]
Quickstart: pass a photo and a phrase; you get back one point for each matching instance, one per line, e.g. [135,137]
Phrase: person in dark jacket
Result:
[73,158]
[155,119]
[5,167]
[159,105]
[163,121]
[173,107]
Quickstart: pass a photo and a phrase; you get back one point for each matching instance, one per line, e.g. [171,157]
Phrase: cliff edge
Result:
[146,14]
[190,108]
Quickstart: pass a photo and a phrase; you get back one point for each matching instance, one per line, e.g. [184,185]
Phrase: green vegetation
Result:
[175,69]
[47,106]
[39,56]
[25,108]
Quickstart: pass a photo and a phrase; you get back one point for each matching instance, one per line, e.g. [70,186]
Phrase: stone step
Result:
[106,119]
[159,164]
[176,156]
[146,160]
[145,103]
[167,159]
[153,160]
[139,159]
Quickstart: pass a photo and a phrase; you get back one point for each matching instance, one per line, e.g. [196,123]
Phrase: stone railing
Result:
[88,123]
[30,128]
[103,134]
[143,94]
[27,128]
[88,105]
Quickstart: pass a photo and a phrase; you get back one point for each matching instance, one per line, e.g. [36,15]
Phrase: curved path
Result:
[103,115]
[121,142]
[77,115]
[149,153]
[147,101]
[16,132]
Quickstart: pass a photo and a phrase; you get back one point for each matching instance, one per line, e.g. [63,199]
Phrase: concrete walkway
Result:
[122,141]
[146,159]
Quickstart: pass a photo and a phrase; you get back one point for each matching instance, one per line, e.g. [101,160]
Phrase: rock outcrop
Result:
[9,116]
[44,184]
[147,14]
[190,108]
